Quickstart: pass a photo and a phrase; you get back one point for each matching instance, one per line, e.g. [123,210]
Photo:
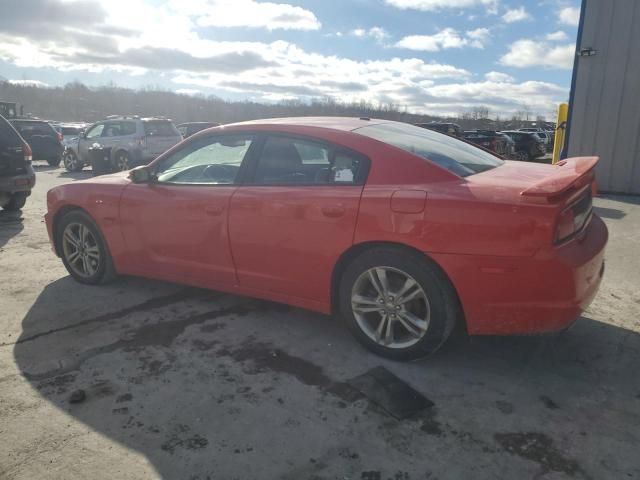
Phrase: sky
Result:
[441,57]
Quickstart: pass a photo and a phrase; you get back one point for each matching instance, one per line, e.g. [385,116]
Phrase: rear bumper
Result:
[539,294]
[18,183]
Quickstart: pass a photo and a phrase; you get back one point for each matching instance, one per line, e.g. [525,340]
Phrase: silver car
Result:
[133,141]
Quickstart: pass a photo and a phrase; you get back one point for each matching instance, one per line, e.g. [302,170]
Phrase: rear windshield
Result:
[160,128]
[8,136]
[34,128]
[448,152]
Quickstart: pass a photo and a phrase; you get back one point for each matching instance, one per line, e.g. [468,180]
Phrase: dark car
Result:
[188,129]
[451,129]
[44,140]
[528,145]
[17,177]
[491,140]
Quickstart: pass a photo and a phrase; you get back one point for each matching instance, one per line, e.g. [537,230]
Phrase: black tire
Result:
[16,202]
[522,156]
[54,162]
[71,162]
[444,309]
[121,161]
[104,270]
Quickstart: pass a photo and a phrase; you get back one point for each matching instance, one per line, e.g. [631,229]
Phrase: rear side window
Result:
[127,128]
[294,161]
[456,156]
[160,128]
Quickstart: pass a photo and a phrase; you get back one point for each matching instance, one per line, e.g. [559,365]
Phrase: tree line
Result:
[75,102]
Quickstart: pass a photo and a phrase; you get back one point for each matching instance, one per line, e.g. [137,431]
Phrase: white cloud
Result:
[444,39]
[430,5]
[531,53]
[498,77]
[570,16]
[29,83]
[558,36]
[379,34]
[516,15]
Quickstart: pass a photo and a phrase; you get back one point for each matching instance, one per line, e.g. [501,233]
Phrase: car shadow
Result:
[612,213]
[11,224]
[185,376]
[44,167]
[81,175]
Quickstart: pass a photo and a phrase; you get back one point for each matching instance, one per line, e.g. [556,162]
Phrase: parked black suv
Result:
[44,140]
[17,177]
[528,145]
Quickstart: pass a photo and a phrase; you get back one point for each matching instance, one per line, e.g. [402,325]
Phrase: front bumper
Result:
[22,182]
[539,294]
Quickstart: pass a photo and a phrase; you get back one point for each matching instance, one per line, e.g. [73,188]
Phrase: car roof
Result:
[346,124]
[27,120]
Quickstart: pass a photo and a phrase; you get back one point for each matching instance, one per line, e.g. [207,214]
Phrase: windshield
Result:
[454,155]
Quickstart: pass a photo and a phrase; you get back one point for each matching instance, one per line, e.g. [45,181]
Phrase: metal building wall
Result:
[605,106]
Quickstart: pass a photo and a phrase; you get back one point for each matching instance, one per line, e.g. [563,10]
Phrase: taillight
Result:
[573,218]
[566,226]
[28,154]
[60,137]
[141,141]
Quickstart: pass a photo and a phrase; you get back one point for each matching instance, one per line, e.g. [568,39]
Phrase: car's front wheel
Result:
[397,303]
[83,249]
[71,161]
[522,156]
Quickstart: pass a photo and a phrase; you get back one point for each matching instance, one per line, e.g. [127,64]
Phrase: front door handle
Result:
[333,211]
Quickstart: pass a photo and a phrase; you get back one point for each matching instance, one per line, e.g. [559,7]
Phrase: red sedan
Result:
[403,231]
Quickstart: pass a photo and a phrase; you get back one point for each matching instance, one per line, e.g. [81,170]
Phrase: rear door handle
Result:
[333,211]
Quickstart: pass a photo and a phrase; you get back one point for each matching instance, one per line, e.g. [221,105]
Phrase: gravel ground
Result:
[142,379]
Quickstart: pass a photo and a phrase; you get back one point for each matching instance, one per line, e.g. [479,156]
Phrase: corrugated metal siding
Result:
[605,117]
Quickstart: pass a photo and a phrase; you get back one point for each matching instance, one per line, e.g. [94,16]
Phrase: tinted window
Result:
[287,161]
[160,128]
[8,136]
[454,155]
[211,160]
[127,128]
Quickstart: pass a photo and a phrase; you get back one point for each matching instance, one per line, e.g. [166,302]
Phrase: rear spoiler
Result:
[570,173]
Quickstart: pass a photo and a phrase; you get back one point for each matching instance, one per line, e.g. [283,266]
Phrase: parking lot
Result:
[143,379]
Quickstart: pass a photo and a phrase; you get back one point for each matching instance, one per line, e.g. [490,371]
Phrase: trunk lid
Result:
[535,180]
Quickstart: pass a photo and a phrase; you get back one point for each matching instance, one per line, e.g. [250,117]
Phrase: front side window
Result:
[210,160]
[448,152]
[96,131]
[293,161]
[127,128]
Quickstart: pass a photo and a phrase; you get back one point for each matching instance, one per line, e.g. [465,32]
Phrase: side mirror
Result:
[141,175]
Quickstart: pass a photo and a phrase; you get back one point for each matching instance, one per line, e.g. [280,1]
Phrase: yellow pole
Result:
[561,127]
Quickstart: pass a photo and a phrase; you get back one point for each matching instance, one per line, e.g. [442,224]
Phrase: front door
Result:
[294,218]
[85,142]
[176,227]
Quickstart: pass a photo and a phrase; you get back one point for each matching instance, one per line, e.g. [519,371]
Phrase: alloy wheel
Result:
[80,249]
[390,307]
[70,161]
[122,162]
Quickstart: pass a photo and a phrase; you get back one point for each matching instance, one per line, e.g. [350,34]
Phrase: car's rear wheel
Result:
[121,161]
[71,161]
[397,303]
[16,202]
[83,249]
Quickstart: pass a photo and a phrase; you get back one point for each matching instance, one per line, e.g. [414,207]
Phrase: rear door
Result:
[297,214]
[160,136]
